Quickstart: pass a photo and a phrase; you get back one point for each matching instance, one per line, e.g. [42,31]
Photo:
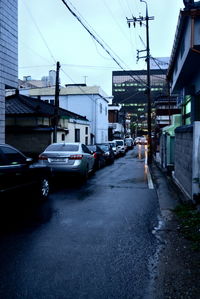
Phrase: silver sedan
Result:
[69,158]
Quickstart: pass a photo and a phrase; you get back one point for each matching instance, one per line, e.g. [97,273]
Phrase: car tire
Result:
[43,188]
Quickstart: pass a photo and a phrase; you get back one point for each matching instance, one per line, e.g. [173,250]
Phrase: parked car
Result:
[121,146]
[137,140]
[143,140]
[68,158]
[129,142]
[99,158]
[108,152]
[114,147]
[19,174]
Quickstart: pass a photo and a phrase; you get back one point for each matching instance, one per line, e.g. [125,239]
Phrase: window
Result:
[63,137]
[86,130]
[85,149]
[86,140]
[63,147]
[182,47]
[13,157]
[77,135]
[188,107]
[187,110]
[100,105]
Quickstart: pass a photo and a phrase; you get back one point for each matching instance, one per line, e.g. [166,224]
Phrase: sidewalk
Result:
[178,270]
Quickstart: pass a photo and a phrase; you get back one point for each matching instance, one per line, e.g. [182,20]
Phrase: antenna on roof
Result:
[85,79]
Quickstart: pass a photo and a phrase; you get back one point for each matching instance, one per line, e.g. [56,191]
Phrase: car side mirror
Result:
[29,160]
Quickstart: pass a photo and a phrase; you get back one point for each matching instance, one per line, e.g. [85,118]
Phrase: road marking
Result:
[149,179]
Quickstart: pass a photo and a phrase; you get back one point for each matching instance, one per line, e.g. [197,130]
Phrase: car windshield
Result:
[92,148]
[104,147]
[112,144]
[63,147]
[119,142]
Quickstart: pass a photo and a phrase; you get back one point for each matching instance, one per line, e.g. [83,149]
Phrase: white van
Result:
[121,146]
[114,147]
[129,142]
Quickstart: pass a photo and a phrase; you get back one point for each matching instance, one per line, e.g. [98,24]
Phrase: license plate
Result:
[59,160]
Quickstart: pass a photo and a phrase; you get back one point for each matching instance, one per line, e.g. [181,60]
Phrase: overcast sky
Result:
[48,32]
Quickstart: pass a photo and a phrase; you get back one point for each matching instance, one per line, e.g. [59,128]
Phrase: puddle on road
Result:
[142,153]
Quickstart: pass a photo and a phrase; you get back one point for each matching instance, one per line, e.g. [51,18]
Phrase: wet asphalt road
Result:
[87,241]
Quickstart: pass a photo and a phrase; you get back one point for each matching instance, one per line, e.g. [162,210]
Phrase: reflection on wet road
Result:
[91,240]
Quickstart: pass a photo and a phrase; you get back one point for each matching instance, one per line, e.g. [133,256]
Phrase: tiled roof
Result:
[22,105]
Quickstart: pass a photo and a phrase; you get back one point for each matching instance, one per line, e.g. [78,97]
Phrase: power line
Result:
[89,31]
[110,11]
[40,33]
[94,32]
[82,90]
[35,66]
[35,52]
[98,41]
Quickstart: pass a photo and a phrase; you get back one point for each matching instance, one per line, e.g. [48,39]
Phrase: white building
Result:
[89,101]
[8,54]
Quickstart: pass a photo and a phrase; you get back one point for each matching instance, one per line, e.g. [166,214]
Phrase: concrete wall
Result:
[8,54]
[71,136]
[196,160]
[183,157]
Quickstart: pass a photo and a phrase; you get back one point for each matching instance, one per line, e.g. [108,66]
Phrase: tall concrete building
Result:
[8,54]
[129,90]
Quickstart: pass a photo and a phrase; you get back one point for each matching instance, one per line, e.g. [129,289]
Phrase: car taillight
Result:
[95,155]
[43,157]
[75,157]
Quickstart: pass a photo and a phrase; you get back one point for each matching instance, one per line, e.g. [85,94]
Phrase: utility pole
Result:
[147,57]
[56,104]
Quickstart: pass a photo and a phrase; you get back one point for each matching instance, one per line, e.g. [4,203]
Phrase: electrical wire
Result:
[40,33]
[95,33]
[98,41]
[157,62]
[83,91]
[129,39]
[89,66]
[117,23]
[91,34]
[33,51]
[35,66]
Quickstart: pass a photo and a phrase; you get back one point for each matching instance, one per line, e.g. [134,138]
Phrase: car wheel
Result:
[44,188]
